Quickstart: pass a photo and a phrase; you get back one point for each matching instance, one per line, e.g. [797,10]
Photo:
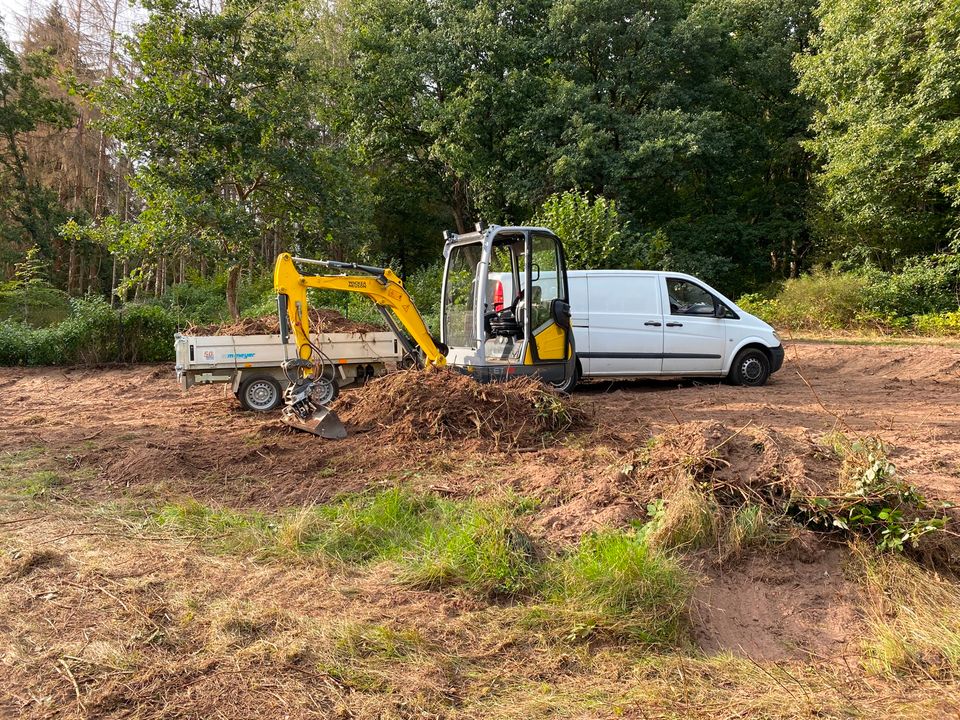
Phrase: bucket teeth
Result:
[323,422]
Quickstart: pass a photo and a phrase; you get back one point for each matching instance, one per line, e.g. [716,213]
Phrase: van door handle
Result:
[674,324]
[652,323]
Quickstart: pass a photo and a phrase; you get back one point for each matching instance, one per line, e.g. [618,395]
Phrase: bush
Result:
[147,334]
[593,232]
[37,304]
[93,333]
[923,297]
[938,324]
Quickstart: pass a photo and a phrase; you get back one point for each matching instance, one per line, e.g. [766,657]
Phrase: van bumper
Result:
[776,358]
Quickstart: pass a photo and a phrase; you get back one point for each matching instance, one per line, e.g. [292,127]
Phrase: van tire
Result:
[751,367]
[566,387]
[260,393]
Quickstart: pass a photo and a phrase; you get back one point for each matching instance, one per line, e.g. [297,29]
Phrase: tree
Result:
[885,77]
[593,233]
[29,213]
[220,122]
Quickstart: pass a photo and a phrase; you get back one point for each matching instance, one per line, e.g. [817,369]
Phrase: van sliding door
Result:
[625,325]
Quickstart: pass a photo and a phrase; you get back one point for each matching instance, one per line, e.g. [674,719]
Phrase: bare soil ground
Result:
[99,619]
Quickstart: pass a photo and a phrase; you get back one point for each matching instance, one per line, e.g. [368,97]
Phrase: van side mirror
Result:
[721,310]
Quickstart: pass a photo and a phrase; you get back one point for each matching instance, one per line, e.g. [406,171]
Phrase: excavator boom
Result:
[380,285]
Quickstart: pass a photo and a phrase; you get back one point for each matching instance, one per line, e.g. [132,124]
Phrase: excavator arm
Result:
[380,285]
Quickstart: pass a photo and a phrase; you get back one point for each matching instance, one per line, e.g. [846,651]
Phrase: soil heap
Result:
[443,404]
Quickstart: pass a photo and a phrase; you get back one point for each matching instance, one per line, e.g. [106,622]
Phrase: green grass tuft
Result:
[474,546]
[615,583]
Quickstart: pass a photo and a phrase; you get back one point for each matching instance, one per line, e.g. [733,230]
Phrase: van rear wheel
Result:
[751,367]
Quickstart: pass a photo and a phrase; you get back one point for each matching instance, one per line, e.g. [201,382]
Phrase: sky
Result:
[13,10]
[10,9]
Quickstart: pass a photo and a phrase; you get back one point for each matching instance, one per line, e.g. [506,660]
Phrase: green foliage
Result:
[425,287]
[29,212]
[493,109]
[223,162]
[92,333]
[885,76]
[613,582]
[921,298]
[879,506]
[36,303]
[593,233]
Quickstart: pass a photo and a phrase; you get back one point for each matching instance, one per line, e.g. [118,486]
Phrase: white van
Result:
[631,323]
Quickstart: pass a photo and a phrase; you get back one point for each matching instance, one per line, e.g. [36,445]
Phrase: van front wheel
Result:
[751,367]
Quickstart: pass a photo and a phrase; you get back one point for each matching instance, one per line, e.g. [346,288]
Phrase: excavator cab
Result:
[506,305]
[505,312]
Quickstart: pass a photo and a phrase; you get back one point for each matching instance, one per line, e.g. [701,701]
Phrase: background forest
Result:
[803,156]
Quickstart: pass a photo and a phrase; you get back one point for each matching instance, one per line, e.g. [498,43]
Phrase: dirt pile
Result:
[416,405]
[741,465]
[321,321]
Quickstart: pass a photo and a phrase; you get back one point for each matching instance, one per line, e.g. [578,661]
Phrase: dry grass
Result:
[151,631]
[914,618]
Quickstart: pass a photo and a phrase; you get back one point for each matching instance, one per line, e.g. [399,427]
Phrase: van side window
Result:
[687,298]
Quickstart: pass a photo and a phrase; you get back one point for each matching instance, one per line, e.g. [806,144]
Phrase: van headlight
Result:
[777,336]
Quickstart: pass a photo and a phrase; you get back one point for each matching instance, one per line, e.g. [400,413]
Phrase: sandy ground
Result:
[130,434]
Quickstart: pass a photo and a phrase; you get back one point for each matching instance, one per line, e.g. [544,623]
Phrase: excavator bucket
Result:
[323,422]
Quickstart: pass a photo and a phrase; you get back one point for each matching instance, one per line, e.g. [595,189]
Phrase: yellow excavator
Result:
[505,311]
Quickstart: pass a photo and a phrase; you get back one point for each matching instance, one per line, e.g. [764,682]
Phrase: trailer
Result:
[252,363]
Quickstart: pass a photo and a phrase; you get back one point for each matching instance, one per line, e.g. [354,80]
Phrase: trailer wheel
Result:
[325,391]
[260,393]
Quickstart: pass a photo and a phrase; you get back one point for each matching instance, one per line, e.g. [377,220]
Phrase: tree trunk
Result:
[461,206]
[113,283]
[72,267]
[233,276]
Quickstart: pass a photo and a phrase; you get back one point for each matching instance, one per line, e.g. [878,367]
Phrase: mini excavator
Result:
[505,312]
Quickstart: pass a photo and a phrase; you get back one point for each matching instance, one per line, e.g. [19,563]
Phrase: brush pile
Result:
[706,481]
[321,321]
[442,404]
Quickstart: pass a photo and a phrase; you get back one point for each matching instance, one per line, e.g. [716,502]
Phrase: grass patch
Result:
[615,583]
[224,530]
[914,619]
[474,546]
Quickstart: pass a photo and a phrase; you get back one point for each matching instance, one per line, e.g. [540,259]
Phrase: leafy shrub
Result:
[922,297]
[38,304]
[147,334]
[924,285]
[593,232]
[93,333]
[938,324]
